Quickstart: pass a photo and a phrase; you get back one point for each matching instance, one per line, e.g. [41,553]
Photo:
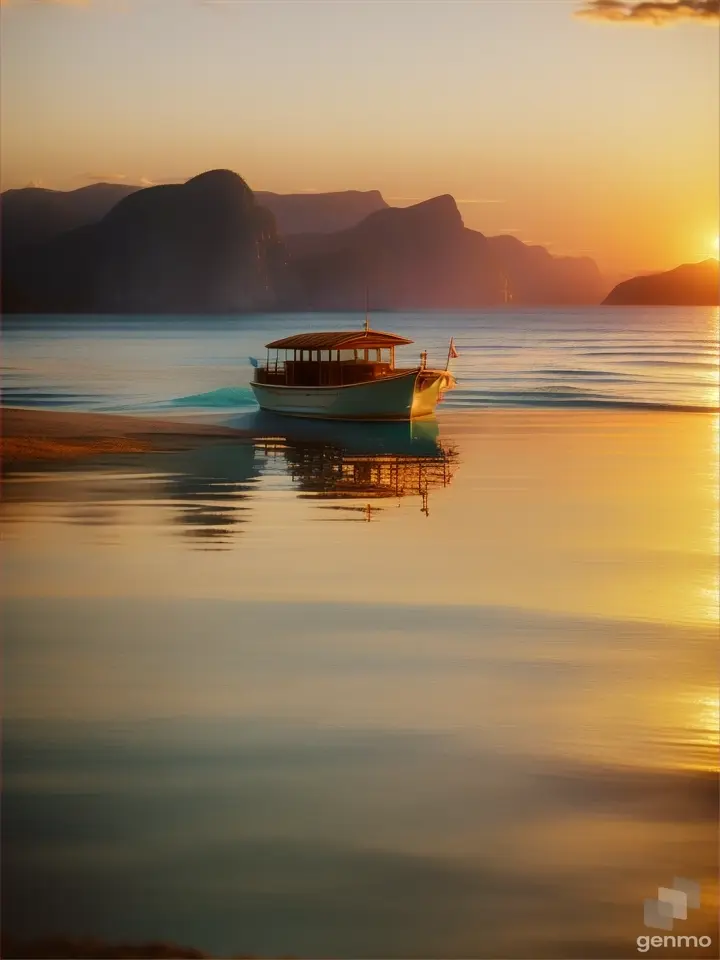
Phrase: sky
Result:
[591,135]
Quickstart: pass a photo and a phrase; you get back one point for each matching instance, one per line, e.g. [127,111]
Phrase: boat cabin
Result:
[329,359]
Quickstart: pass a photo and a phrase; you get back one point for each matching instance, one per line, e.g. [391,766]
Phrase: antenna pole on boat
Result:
[367,315]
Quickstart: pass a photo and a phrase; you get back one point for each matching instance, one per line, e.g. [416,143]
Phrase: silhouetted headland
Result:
[690,285]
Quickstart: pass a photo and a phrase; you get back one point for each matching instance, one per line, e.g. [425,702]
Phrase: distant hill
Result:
[320,212]
[418,256]
[424,257]
[201,247]
[692,284]
[537,277]
[34,214]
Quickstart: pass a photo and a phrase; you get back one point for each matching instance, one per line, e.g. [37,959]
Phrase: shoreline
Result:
[28,434]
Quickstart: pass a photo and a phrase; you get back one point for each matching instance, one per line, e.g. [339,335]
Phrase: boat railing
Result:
[325,373]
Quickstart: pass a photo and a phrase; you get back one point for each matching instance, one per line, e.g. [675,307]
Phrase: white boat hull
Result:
[404,396]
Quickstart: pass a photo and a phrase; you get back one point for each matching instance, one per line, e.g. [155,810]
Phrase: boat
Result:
[348,375]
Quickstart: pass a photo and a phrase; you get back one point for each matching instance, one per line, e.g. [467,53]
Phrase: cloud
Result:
[655,12]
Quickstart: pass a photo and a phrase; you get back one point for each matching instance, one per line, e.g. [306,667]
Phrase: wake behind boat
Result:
[348,375]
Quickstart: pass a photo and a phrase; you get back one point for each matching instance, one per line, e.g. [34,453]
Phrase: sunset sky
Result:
[588,135]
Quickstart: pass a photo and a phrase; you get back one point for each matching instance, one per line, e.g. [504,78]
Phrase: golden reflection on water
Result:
[602,514]
[711,593]
[511,696]
[703,727]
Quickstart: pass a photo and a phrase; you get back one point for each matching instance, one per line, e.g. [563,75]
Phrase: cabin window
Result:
[347,356]
[371,355]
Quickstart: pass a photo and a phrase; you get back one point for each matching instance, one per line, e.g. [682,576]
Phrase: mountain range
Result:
[211,245]
[36,214]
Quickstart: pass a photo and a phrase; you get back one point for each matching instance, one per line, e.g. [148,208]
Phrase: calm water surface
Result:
[448,691]
[664,357]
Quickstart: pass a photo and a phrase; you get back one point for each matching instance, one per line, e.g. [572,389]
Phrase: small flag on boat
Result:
[452,354]
[254,362]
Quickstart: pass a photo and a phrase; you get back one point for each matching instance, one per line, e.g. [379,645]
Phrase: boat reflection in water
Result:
[362,461]
[209,492]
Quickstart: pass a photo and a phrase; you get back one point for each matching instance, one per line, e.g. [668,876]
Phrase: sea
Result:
[658,358]
[441,690]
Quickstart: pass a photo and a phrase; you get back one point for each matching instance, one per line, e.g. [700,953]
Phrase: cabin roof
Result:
[332,340]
